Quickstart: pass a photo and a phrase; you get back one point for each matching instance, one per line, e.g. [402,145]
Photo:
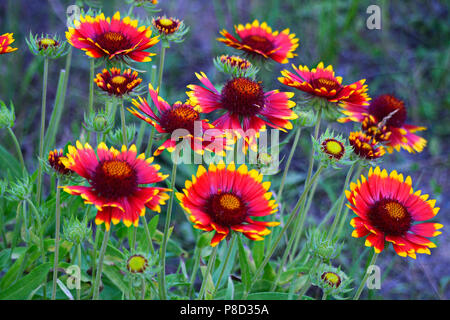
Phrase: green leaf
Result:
[245,268]
[113,273]
[9,163]
[22,288]
[229,293]
[258,252]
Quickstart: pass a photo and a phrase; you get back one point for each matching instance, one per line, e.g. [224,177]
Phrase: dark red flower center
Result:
[181,116]
[114,179]
[389,110]
[259,43]
[390,216]
[243,96]
[226,209]
[331,278]
[333,148]
[329,84]
[112,41]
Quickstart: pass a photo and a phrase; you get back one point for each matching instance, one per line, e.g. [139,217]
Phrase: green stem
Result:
[225,263]
[162,277]
[101,258]
[211,261]
[91,86]
[41,242]
[142,288]
[283,231]
[366,275]
[344,217]
[79,266]
[18,150]
[57,230]
[316,135]
[341,203]
[162,57]
[194,272]
[124,126]
[42,133]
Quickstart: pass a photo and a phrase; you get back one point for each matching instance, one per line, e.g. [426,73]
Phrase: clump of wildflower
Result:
[47,46]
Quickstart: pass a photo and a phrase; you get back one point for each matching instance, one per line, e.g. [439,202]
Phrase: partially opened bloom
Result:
[116,180]
[388,209]
[384,119]
[6,40]
[365,147]
[247,107]
[331,149]
[322,83]
[333,281]
[259,41]
[225,199]
[235,66]
[180,119]
[116,83]
[112,38]
[55,161]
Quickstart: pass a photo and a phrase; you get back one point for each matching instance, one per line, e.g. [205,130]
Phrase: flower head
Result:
[137,263]
[112,38]
[331,149]
[259,41]
[47,46]
[181,119]
[116,83]
[235,66]
[321,82]
[115,182]
[225,199]
[388,209]
[55,161]
[5,43]
[365,147]
[333,281]
[384,119]
[247,107]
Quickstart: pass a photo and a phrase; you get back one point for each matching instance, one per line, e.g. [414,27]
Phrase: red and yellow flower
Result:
[115,182]
[114,82]
[112,38]
[246,105]
[364,146]
[321,82]
[258,40]
[166,25]
[225,199]
[55,161]
[388,209]
[6,40]
[177,117]
[384,119]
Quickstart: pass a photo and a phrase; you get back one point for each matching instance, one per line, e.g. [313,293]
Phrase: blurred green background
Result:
[409,56]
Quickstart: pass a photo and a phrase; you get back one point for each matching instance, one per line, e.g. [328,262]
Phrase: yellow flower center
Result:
[165,22]
[118,80]
[118,169]
[47,42]
[395,210]
[334,147]
[229,201]
[331,278]
[137,264]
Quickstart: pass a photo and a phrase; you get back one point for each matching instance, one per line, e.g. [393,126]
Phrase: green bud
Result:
[76,231]
[100,122]
[20,190]
[115,137]
[331,280]
[47,46]
[320,246]
[306,118]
